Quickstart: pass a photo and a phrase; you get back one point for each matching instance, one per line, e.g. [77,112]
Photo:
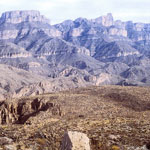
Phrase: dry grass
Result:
[100,112]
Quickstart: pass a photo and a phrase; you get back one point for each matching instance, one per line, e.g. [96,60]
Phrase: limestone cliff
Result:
[105,20]
[16,17]
[20,23]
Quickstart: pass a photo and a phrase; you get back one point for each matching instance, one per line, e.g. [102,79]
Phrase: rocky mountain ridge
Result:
[15,17]
[100,51]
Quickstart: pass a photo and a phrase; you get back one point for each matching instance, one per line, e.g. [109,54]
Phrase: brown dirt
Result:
[100,112]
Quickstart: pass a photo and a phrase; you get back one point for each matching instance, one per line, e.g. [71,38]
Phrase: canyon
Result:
[83,49]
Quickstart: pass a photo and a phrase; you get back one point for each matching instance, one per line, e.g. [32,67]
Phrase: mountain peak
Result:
[18,16]
[106,20]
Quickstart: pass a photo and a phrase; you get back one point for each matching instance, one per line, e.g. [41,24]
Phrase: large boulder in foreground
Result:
[74,140]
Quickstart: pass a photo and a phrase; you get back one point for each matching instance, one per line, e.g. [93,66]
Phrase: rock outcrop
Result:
[20,23]
[10,50]
[118,32]
[22,110]
[8,34]
[16,17]
[105,20]
[5,140]
[74,140]
[138,31]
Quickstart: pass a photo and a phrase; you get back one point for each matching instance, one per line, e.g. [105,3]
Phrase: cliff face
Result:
[106,21]
[138,31]
[20,112]
[16,23]
[16,17]
[118,32]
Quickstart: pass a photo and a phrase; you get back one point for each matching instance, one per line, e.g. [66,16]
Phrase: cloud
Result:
[59,10]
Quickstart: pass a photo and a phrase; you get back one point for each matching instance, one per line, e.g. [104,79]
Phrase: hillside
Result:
[113,117]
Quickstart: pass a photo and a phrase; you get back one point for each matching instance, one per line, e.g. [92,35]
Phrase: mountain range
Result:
[37,57]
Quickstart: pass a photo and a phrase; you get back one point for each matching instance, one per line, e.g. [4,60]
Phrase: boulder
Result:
[5,140]
[74,140]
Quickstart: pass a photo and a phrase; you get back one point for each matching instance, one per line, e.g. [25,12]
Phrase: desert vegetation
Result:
[113,117]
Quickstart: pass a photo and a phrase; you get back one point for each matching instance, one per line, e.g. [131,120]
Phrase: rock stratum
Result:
[15,17]
[40,57]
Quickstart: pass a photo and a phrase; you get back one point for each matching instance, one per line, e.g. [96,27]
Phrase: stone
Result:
[10,147]
[5,140]
[74,140]
[114,137]
[142,148]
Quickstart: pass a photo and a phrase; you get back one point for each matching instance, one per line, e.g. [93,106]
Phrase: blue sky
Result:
[59,10]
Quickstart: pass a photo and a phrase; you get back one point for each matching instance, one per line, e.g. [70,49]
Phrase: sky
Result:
[60,10]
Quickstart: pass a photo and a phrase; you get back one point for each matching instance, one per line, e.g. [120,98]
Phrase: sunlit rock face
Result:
[76,32]
[105,20]
[117,31]
[138,31]
[20,23]
[139,26]
[74,140]
[16,17]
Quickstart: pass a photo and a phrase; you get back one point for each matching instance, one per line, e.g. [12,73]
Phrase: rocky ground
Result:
[112,117]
